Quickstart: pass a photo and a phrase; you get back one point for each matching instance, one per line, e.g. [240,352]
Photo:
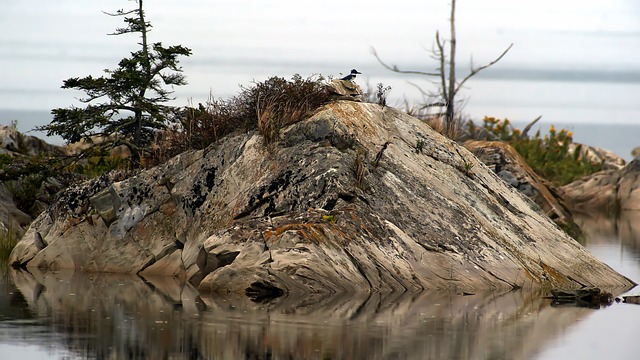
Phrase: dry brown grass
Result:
[438,123]
[265,106]
[279,103]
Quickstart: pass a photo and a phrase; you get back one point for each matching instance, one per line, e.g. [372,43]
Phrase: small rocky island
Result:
[357,198]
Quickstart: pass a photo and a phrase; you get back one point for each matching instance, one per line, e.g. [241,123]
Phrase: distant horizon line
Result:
[621,76]
[41,112]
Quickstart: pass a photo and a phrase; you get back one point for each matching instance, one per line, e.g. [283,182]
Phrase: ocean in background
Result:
[619,138]
[601,109]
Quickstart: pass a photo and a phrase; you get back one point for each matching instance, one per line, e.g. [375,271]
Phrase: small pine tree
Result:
[125,106]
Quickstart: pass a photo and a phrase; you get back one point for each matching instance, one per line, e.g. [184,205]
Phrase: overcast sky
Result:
[234,42]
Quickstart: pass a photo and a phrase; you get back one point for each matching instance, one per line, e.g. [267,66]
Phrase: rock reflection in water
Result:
[120,316]
[625,227]
[609,333]
[621,234]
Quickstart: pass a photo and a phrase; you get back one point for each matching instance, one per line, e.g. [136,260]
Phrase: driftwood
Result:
[528,127]
[586,297]
[635,299]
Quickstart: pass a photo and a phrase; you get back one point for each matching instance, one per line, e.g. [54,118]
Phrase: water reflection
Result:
[76,315]
[609,333]
[616,241]
[127,317]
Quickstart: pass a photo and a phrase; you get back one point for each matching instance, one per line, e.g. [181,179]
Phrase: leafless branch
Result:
[442,59]
[477,70]
[120,12]
[424,93]
[394,68]
[528,127]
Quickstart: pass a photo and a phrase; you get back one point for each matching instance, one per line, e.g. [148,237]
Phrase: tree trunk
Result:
[137,136]
[450,114]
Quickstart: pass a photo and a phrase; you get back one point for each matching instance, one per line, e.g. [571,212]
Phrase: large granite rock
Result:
[606,192]
[505,161]
[357,198]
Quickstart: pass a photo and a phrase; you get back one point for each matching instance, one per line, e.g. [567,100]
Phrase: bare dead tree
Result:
[446,73]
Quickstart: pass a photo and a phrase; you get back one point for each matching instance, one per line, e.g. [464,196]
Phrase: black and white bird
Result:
[351,76]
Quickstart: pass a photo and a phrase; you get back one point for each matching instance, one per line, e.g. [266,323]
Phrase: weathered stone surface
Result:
[505,161]
[628,196]
[106,204]
[345,90]
[593,194]
[30,244]
[635,152]
[344,203]
[605,192]
[608,159]
[13,142]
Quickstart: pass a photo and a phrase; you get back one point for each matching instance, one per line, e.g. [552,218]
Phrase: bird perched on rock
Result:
[351,76]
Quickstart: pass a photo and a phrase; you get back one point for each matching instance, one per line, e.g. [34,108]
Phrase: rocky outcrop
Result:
[505,161]
[628,195]
[595,193]
[357,198]
[18,147]
[345,90]
[605,192]
[608,159]
[15,143]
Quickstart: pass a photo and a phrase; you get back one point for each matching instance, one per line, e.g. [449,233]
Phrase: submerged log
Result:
[590,297]
[631,299]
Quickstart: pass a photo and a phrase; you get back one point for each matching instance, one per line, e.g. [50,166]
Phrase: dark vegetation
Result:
[23,177]
[377,95]
[8,241]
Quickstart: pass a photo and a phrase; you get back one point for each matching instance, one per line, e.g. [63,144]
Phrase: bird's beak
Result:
[357,72]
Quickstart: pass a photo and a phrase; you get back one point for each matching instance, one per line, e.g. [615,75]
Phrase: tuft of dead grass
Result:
[266,106]
[437,122]
[280,102]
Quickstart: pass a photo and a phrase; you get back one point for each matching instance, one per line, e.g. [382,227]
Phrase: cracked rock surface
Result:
[346,202]
[606,192]
[505,161]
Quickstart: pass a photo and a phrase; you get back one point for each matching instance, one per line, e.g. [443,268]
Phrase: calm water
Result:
[75,316]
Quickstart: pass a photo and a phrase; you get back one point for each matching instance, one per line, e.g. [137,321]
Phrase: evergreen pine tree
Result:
[125,106]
